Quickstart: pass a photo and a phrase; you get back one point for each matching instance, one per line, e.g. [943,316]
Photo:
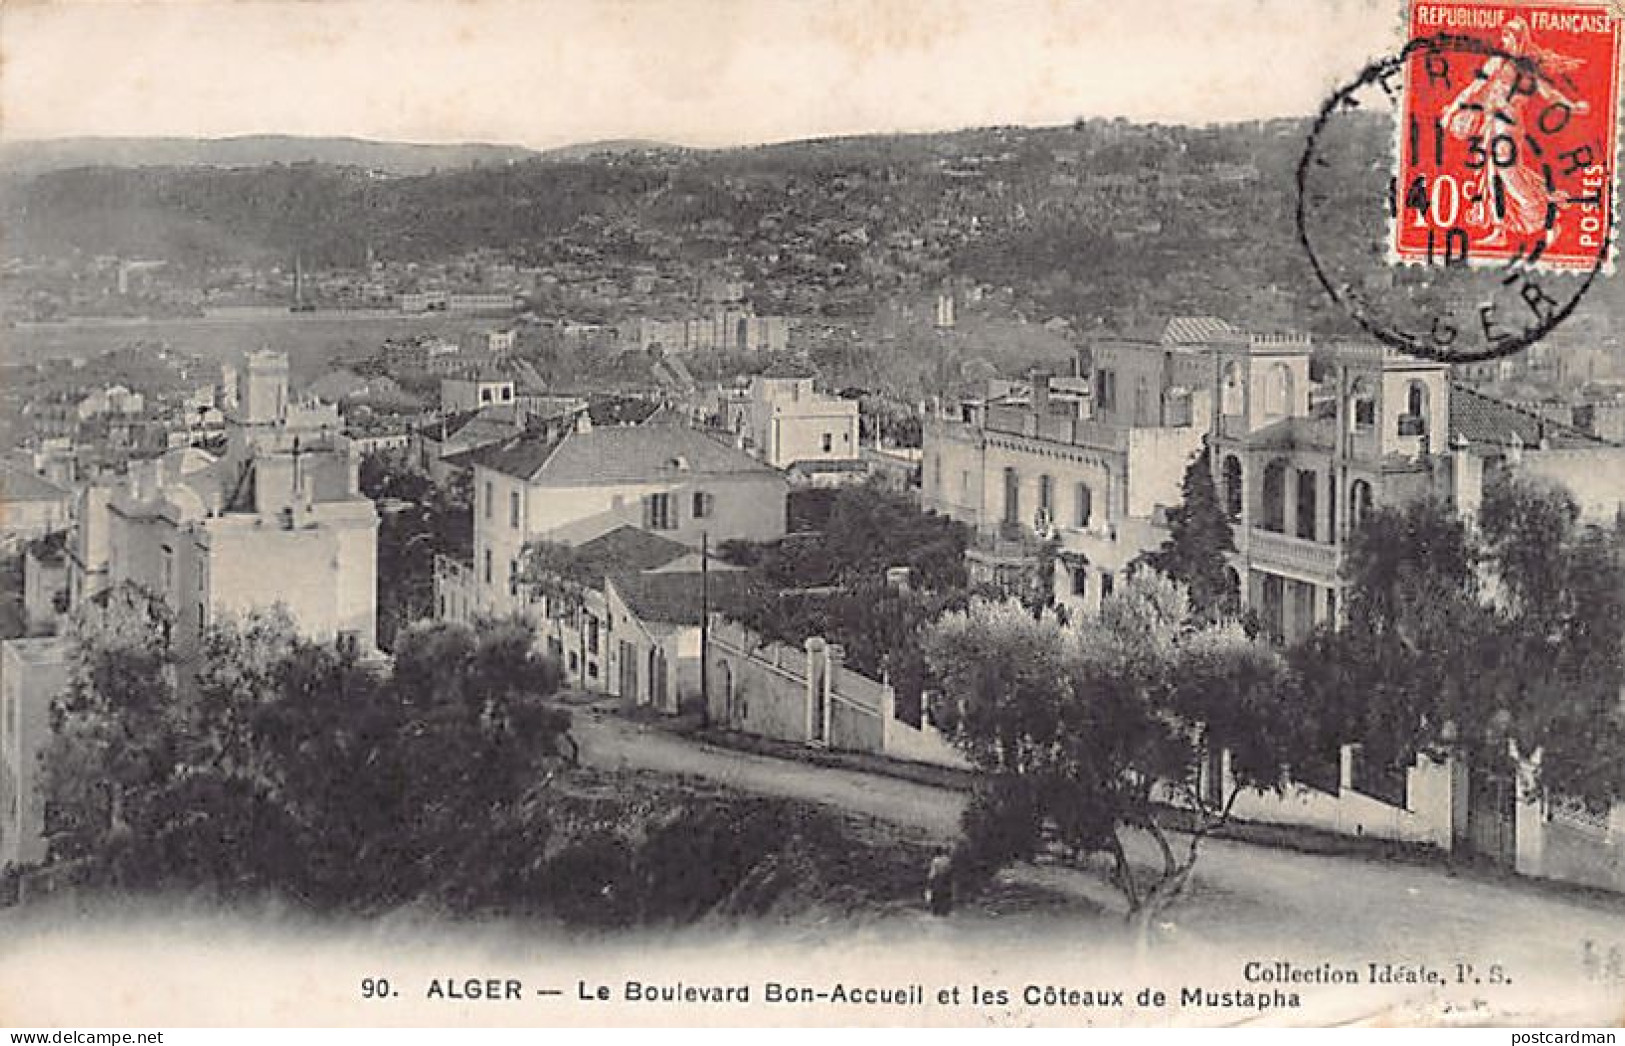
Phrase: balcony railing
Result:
[1293,554]
[1005,545]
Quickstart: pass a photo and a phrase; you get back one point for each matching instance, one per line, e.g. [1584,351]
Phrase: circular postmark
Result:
[1454,199]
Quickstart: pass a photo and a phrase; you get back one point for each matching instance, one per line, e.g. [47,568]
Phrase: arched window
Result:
[1230,390]
[1414,422]
[1359,503]
[1046,497]
[1086,505]
[1232,487]
[1274,496]
[1278,390]
[1308,503]
[1362,406]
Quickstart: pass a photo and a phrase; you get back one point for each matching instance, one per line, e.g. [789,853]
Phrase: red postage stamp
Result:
[1507,151]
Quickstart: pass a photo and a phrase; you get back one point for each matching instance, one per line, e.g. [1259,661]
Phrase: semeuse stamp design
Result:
[1457,199]
[1506,151]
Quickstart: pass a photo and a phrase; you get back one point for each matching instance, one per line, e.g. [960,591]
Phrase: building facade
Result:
[32,673]
[785,420]
[580,486]
[1298,468]
[724,329]
[277,519]
[1093,473]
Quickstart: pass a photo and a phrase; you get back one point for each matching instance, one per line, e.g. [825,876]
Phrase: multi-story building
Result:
[1298,470]
[724,329]
[499,341]
[472,393]
[569,485]
[1093,471]
[481,301]
[437,448]
[277,519]
[785,420]
[572,484]
[31,506]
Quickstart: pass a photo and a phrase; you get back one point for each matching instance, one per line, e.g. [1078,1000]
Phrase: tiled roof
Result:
[676,599]
[449,425]
[811,466]
[1483,419]
[487,426]
[634,454]
[1188,330]
[521,456]
[628,550]
[18,484]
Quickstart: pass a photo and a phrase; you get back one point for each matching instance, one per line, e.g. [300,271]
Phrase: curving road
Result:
[1246,900]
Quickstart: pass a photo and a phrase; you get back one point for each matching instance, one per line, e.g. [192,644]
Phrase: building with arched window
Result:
[1288,454]
[1092,462]
[1378,428]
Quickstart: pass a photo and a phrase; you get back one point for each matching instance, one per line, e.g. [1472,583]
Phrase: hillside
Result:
[38,157]
[1098,223]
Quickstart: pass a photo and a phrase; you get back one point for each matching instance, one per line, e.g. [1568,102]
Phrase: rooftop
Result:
[628,550]
[677,599]
[630,454]
[1482,419]
[1198,330]
[18,484]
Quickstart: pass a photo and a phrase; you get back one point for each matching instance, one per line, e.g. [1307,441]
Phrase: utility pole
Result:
[705,622]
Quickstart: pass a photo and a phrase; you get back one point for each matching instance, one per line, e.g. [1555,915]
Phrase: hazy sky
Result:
[700,72]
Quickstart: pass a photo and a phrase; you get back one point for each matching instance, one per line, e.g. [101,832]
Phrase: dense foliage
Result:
[832,583]
[269,763]
[1199,537]
[1084,733]
[418,520]
[1482,644]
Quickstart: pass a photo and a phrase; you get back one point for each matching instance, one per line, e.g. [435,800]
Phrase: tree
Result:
[1470,645]
[869,529]
[287,765]
[114,729]
[436,520]
[386,474]
[1199,537]
[1559,592]
[1414,638]
[1082,733]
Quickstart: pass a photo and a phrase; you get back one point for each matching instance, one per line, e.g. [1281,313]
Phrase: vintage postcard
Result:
[534,513]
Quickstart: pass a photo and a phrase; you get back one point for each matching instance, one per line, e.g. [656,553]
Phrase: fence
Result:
[809,696]
[1419,809]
